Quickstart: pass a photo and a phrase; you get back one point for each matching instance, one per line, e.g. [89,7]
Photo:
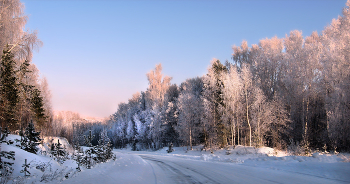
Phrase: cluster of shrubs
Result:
[30,139]
[94,154]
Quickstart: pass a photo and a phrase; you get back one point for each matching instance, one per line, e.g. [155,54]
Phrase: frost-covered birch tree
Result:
[12,25]
[232,91]
[190,109]
[158,85]
[248,97]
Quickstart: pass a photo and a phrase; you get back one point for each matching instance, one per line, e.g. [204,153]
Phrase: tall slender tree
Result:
[190,107]
[25,87]
[8,90]
[158,85]
[45,93]
[231,93]
[38,109]
[214,103]
[248,97]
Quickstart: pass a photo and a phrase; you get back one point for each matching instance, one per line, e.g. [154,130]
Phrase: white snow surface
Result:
[232,165]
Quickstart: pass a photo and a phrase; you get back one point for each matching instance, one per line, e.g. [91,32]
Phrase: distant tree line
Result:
[73,127]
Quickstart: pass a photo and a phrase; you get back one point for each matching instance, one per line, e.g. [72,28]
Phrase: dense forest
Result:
[282,92]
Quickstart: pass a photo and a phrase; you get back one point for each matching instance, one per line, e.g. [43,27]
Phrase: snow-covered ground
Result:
[239,165]
[42,167]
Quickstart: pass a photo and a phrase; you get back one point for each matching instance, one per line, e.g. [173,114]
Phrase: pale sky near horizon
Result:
[96,53]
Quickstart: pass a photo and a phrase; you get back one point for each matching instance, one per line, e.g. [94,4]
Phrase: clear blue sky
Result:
[96,53]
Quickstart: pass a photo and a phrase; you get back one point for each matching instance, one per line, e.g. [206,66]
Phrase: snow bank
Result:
[41,168]
[127,168]
[241,154]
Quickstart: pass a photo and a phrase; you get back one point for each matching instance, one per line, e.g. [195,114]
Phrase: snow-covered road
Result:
[180,170]
[136,167]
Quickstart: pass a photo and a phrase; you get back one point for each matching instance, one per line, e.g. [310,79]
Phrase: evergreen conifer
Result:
[25,168]
[8,90]
[38,108]
[88,139]
[31,139]
[24,88]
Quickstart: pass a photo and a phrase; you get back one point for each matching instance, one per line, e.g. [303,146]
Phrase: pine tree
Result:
[104,139]
[60,150]
[170,116]
[53,150]
[103,151]
[30,139]
[25,89]
[214,102]
[88,139]
[8,91]
[38,108]
[25,168]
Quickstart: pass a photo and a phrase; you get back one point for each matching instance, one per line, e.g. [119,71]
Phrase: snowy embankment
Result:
[127,168]
[42,168]
[181,166]
[246,154]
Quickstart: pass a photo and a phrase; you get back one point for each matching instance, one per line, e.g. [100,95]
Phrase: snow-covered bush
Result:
[299,149]
[58,174]
[295,148]
[43,166]
[95,154]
